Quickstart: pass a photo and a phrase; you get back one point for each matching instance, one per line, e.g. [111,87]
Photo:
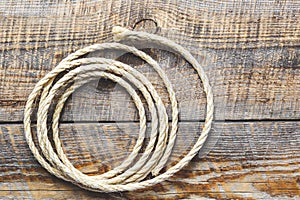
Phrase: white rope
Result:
[130,174]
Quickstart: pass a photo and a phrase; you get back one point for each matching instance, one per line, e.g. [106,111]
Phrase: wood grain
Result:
[259,89]
[251,83]
[249,50]
[240,164]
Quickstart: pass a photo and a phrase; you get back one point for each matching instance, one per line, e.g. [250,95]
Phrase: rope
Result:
[76,71]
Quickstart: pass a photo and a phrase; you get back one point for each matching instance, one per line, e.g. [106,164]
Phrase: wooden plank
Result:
[250,51]
[241,91]
[212,24]
[251,55]
[55,195]
[254,160]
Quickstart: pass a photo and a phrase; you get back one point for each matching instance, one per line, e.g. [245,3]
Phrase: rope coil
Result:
[130,174]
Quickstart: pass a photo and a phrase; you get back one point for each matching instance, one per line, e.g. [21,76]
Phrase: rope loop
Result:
[76,70]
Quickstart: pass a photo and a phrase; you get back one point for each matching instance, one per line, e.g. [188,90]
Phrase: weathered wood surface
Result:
[250,51]
[250,160]
[255,80]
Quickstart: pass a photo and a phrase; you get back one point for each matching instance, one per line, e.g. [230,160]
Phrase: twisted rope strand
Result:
[130,174]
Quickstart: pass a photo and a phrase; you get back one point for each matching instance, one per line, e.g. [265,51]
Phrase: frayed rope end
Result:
[118,31]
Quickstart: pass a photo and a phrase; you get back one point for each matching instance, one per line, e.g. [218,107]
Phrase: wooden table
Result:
[249,50]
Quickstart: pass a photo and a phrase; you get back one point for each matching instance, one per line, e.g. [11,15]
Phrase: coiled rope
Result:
[130,174]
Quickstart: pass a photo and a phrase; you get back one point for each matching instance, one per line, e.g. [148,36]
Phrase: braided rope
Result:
[77,71]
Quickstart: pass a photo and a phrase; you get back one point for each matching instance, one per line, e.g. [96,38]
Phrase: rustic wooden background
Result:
[250,51]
